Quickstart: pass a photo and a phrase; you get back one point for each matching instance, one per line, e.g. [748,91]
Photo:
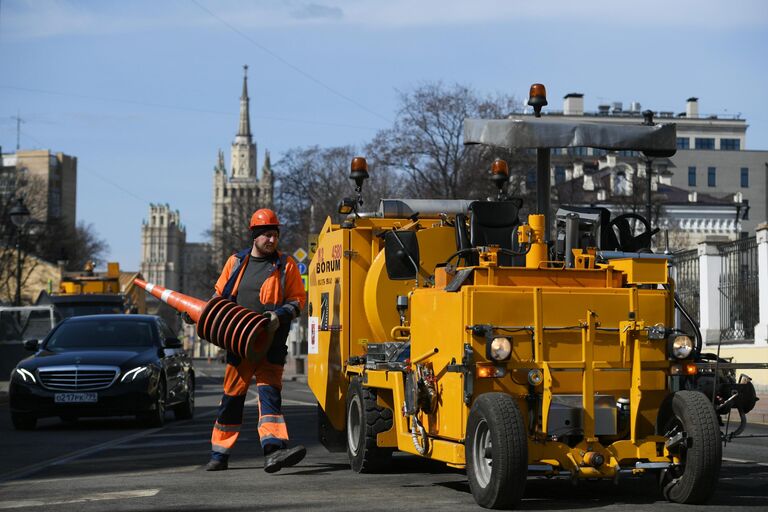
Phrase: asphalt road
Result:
[114,464]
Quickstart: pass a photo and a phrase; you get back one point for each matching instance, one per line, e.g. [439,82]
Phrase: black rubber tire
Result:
[495,423]
[365,420]
[695,482]
[156,417]
[186,409]
[23,421]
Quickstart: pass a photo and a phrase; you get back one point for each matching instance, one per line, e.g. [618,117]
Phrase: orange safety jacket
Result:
[282,292]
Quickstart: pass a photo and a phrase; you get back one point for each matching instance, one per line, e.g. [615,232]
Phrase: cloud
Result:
[29,19]
[317,11]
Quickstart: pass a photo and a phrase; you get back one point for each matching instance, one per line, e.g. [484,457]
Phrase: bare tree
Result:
[426,142]
[58,242]
[42,238]
[312,181]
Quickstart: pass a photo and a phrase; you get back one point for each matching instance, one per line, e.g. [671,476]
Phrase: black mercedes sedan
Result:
[104,365]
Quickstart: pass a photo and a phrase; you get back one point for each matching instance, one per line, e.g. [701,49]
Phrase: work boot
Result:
[283,458]
[216,465]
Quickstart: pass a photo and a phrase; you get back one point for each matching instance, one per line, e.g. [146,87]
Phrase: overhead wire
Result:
[177,107]
[289,64]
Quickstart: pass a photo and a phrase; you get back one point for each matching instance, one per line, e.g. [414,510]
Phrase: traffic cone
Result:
[220,321]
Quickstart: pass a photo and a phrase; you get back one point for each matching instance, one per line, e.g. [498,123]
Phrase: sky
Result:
[145,93]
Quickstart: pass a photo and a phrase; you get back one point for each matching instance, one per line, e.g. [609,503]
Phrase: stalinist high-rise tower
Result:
[239,192]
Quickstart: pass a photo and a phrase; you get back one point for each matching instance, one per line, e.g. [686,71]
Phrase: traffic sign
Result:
[305,280]
[300,255]
[302,268]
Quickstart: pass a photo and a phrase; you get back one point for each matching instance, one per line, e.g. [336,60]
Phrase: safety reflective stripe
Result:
[220,449]
[283,264]
[271,419]
[226,428]
[277,430]
[266,438]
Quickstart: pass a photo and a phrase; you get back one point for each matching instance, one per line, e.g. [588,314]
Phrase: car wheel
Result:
[496,451]
[186,409]
[156,417]
[22,421]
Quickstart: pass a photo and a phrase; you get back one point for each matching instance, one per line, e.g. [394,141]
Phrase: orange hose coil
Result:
[220,321]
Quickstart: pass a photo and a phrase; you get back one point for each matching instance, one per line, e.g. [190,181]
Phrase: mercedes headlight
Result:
[25,375]
[135,373]
[501,348]
[681,347]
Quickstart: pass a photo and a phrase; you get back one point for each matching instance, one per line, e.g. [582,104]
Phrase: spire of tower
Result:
[244,128]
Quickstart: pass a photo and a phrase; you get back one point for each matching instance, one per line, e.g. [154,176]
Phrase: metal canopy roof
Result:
[532,132]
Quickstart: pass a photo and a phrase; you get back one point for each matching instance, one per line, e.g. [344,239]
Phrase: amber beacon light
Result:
[537,98]
[222,322]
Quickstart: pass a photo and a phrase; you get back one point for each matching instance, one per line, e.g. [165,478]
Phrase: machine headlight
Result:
[25,375]
[501,348]
[681,347]
[135,373]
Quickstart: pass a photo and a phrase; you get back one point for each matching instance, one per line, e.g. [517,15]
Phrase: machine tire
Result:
[695,481]
[365,420]
[186,409]
[495,423]
[156,417]
[22,421]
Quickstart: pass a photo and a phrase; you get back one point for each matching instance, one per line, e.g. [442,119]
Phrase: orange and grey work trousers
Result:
[237,378]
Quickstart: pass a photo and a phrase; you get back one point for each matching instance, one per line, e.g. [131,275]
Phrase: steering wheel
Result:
[628,241]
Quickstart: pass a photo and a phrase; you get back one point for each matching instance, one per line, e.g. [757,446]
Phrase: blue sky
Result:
[144,93]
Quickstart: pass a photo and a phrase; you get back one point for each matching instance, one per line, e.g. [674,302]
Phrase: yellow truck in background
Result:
[92,293]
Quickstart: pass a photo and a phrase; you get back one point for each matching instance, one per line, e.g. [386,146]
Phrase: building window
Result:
[530,180]
[559,174]
[730,144]
[620,184]
[683,143]
[578,151]
[705,143]
[711,178]
[691,176]
[744,177]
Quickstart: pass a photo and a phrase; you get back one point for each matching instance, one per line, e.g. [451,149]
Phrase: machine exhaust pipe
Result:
[222,322]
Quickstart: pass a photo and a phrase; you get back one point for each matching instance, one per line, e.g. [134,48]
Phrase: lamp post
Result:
[19,216]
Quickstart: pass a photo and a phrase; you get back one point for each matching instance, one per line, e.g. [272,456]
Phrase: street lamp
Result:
[19,216]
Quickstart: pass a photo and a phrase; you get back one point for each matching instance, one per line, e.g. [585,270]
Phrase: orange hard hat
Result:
[264,218]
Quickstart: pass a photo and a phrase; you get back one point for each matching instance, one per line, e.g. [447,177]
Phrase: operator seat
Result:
[495,223]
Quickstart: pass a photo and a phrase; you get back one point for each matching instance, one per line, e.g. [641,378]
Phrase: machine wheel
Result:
[156,417]
[693,482]
[23,421]
[186,409]
[496,451]
[366,419]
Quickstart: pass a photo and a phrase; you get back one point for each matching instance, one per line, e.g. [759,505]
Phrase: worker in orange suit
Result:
[267,281]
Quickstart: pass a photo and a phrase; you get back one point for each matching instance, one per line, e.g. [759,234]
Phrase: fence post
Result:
[761,329]
[709,292]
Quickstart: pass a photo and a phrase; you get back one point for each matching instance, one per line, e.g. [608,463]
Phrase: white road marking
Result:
[110,476]
[34,468]
[101,496]
[744,461]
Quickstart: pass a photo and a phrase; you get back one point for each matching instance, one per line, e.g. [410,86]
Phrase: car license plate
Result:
[75,398]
